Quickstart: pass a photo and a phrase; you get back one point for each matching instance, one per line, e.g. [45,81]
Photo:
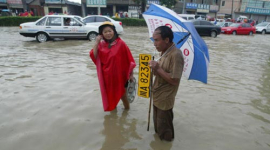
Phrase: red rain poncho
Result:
[114,66]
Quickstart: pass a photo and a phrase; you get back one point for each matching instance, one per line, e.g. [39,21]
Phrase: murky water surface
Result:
[50,98]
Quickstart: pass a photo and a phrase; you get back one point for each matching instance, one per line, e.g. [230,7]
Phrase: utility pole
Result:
[232,9]
[184,5]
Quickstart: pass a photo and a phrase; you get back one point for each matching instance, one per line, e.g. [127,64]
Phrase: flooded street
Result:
[50,98]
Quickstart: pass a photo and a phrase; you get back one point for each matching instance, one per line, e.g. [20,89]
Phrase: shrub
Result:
[16,21]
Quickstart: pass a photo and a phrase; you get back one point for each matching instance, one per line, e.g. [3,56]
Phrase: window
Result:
[101,19]
[184,18]
[89,20]
[223,3]
[53,21]
[41,22]
[206,23]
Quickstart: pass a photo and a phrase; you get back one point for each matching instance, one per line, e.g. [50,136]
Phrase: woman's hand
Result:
[98,39]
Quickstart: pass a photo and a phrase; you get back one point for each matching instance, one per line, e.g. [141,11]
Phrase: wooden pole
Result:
[151,96]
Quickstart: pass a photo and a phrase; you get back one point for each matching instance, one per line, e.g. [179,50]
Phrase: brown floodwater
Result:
[50,98]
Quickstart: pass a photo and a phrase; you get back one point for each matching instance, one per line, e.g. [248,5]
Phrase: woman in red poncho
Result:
[115,65]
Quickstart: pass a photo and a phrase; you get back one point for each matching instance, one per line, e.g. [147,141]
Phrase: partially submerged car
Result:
[239,28]
[97,20]
[263,27]
[54,26]
[206,28]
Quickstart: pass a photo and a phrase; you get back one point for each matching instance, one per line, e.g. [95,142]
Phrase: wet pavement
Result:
[50,98]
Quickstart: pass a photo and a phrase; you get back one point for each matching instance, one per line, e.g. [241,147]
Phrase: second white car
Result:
[97,20]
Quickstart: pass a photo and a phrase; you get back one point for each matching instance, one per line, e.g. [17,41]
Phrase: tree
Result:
[168,3]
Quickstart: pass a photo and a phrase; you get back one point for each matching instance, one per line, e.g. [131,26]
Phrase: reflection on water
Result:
[50,95]
[118,130]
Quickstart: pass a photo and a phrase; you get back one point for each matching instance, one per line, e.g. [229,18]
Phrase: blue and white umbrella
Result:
[186,38]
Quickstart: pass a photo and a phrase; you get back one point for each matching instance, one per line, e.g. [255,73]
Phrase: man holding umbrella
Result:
[168,71]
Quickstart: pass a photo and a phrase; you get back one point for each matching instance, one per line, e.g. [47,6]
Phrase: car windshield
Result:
[262,24]
[220,23]
[79,19]
[235,25]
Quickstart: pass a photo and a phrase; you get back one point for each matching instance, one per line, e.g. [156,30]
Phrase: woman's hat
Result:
[105,24]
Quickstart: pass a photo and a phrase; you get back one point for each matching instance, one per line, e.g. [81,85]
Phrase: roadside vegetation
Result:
[16,21]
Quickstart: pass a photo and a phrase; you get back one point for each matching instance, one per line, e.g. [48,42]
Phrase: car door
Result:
[248,28]
[53,26]
[74,30]
[198,27]
[206,27]
[241,29]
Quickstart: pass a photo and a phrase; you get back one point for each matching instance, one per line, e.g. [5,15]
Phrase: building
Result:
[198,7]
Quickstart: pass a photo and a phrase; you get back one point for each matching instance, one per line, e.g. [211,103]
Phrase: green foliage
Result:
[131,21]
[16,21]
[168,3]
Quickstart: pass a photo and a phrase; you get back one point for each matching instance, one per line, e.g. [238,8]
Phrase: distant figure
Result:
[32,13]
[29,14]
[116,15]
[50,13]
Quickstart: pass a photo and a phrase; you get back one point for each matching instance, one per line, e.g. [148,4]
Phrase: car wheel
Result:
[234,32]
[92,36]
[213,34]
[250,33]
[263,32]
[42,37]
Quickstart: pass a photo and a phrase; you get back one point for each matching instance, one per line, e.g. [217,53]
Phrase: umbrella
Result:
[186,38]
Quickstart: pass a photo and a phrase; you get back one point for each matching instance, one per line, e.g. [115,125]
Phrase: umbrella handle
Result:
[151,96]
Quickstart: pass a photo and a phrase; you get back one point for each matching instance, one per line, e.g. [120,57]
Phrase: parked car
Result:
[263,27]
[200,17]
[97,20]
[53,26]
[204,27]
[239,28]
[224,24]
[187,16]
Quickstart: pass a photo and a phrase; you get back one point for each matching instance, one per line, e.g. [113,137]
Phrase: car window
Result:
[261,24]
[89,19]
[184,18]
[41,22]
[206,23]
[53,21]
[235,25]
[101,19]
[247,25]
[190,18]
[74,22]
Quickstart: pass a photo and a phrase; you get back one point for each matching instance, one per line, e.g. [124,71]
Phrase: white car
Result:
[263,27]
[53,26]
[97,20]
